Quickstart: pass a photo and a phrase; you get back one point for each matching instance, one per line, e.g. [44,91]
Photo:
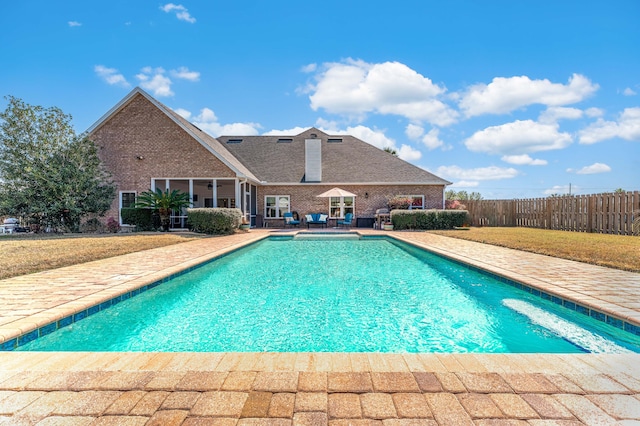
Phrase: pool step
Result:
[326,236]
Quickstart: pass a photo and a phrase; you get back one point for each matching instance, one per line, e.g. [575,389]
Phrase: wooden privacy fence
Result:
[611,213]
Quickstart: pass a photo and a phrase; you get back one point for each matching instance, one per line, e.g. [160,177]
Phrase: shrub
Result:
[112,225]
[217,221]
[427,219]
[90,226]
[454,205]
[143,219]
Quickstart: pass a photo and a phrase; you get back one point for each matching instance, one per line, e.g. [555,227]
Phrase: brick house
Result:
[146,145]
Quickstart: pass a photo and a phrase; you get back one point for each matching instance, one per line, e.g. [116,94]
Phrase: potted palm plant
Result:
[163,202]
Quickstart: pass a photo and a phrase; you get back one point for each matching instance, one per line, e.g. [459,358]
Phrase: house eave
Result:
[263,183]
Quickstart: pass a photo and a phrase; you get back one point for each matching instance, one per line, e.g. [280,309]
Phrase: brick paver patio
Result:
[59,388]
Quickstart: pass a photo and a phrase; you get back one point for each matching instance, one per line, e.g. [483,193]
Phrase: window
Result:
[127,200]
[275,206]
[340,206]
[334,140]
[417,202]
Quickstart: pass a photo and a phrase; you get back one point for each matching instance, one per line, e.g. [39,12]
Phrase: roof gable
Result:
[206,140]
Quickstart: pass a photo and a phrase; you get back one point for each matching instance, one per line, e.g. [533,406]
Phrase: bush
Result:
[428,219]
[217,221]
[143,219]
[90,226]
[112,225]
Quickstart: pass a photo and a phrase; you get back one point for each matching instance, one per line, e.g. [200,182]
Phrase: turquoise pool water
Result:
[318,295]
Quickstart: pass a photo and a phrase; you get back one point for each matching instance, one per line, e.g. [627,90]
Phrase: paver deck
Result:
[60,388]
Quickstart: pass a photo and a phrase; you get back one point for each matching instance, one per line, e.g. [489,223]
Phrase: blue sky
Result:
[512,99]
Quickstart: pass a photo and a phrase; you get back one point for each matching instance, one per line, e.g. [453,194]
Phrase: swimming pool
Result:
[368,295]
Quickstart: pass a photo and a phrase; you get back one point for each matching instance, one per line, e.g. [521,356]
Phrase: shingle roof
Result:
[281,159]
[214,144]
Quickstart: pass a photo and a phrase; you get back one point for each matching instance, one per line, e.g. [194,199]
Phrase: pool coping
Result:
[52,320]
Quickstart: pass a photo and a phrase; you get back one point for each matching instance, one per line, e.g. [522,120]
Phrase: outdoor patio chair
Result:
[317,219]
[348,219]
[291,219]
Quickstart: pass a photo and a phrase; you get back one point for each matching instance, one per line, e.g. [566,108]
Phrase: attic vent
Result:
[234,141]
[285,140]
[313,136]
[334,140]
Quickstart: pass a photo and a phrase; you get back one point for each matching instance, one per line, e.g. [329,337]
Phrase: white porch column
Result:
[238,187]
[214,190]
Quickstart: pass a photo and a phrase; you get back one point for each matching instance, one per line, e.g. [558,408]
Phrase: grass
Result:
[26,254]
[33,253]
[614,251]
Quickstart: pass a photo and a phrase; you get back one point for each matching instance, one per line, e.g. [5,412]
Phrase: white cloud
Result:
[554,114]
[74,24]
[594,112]
[355,88]
[183,113]
[592,169]
[155,81]
[562,189]
[629,92]
[627,127]
[504,95]
[523,160]
[373,137]
[286,132]
[464,184]
[413,131]
[518,137]
[111,76]
[480,173]
[208,122]
[309,68]
[431,139]
[408,153]
[185,74]
[181,12]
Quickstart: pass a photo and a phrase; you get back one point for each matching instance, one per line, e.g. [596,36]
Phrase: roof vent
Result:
[234,141]
[285,140]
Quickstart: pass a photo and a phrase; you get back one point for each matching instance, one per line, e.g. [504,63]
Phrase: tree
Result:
[462,195]
[48,174]
[163,203]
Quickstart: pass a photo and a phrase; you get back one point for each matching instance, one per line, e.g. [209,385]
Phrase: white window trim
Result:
[120,203]
[342,207]
[277,206]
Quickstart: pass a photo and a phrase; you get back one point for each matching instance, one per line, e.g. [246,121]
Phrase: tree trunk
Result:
[165,218]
